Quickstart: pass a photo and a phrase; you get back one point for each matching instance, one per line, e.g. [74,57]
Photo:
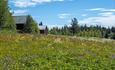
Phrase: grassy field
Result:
[35,52]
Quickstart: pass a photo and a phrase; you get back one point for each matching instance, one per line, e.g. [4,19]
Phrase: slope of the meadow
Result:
[38,52]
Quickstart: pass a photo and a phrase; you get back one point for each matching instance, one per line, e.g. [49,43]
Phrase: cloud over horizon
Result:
[20,12]
[28,3]
[101,9]
[104,17]
[64,15]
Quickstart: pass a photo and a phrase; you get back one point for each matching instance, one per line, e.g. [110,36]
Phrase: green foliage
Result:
[30,26]
[3,12]
[84,31]
[34,52]
[74,26]
[112,35]
[72,30]
[55,31]
[6,19]
[90,33]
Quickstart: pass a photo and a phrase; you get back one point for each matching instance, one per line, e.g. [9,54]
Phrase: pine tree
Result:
[74,26]
[65,30]
[40,24]
[113,29]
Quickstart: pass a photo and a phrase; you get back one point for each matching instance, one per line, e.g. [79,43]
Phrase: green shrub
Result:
[30,26]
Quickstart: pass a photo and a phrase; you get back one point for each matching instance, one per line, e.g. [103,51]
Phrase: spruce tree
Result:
[74,26]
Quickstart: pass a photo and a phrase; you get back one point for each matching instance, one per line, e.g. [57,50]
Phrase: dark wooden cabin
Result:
[43,29]
[20,22]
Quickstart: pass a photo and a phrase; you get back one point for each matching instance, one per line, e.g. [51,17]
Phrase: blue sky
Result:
[60,12]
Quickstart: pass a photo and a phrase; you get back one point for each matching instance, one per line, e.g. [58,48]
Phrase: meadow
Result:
[40,52]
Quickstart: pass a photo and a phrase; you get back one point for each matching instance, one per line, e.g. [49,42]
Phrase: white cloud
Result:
[101,9]
[105,19]
[64,15]
[27,3]
[95,9]
[84,15]
[20,12]
[42,1]
[106,13]
[24,3]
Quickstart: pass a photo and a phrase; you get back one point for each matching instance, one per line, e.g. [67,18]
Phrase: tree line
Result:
[7,22]
[84,31]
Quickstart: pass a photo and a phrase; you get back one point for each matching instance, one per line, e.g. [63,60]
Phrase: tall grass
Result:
[38,52]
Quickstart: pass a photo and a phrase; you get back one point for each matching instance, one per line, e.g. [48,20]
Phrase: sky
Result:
[60,12]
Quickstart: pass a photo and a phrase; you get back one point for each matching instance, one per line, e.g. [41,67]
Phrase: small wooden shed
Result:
[43,29]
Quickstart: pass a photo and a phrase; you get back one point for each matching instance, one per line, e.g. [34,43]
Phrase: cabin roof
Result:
[20,19]
[43,27]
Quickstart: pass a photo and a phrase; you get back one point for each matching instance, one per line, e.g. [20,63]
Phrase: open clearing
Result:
[36,52]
